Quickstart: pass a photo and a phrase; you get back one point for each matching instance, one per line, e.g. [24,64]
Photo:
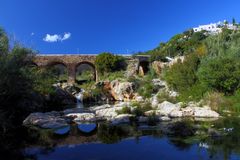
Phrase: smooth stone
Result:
[122,118]
[205,113]
[165,108]
[82,117]
[176,114]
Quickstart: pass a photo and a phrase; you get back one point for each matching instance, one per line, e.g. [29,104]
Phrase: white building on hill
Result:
[215,28]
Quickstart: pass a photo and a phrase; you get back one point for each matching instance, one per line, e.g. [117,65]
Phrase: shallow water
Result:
[136,141]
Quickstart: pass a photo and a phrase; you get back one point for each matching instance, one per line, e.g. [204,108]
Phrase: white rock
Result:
[173,94]
[122,104]
[154,101]
[45,120]
[107,113]
[139,99]
[122,90]
[122,118]
[82,117]
[150,113]
[204,113]
[187,112]
[165,108]
[176,114]
[95,108]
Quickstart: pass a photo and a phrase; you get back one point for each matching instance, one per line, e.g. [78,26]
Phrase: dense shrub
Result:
[180,44]
[107,62]
[221,74]
[4,44]
[182,75]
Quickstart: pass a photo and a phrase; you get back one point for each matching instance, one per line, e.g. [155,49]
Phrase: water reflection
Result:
[87,129]
[138,141]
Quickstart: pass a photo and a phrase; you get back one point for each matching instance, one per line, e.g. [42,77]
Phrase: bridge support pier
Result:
[71,74]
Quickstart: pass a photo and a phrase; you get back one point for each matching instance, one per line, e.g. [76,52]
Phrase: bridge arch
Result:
[85,66]
[143,67]
[60,69]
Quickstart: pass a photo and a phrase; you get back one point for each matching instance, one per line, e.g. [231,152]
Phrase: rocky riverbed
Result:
[164,111]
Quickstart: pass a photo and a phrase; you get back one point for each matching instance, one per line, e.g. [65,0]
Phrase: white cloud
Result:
[52,38]
[32,34]
[56,37]
[66,36]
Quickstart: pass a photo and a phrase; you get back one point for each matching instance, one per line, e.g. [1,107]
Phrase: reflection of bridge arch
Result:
[90,131]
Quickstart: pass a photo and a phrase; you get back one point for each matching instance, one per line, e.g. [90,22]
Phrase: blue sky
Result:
[118,26]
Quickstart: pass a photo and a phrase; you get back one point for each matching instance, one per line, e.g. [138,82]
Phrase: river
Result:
[104,141]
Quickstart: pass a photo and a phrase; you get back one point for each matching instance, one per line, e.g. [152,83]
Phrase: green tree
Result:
[107,62]
[221,74]
[4,45]
[182,75]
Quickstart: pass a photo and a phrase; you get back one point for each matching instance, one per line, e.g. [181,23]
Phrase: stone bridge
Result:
[72,61]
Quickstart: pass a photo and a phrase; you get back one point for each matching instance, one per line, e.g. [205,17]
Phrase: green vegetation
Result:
[22,86]
[210,70]
[180,44]
[138,109]
[107,62]
[110,76]
[87,75]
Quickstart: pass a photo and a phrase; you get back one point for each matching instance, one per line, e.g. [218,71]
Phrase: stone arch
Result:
[56,62]
[90,64]
[143,67]
[63,68]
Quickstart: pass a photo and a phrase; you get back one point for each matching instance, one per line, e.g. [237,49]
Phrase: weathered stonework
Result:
[73,61]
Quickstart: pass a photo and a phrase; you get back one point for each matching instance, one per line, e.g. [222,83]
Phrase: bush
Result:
[216,101]
[194,93]
[125,110]
[107,62]
[146,89]
[139,110]
[221,74]
[182,75]
[164,96]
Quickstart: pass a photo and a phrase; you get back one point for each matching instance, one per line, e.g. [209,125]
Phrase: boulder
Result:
[204,112]
[176,114]
[139,99]
[82,117]
[122,91]
[62,97]
[158,66]
[122,118]
[45,120]
[95,108]
[165,108]
[107,113]
[132,68]
[154,101]
[187,112]
[150,113]
[122,104]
